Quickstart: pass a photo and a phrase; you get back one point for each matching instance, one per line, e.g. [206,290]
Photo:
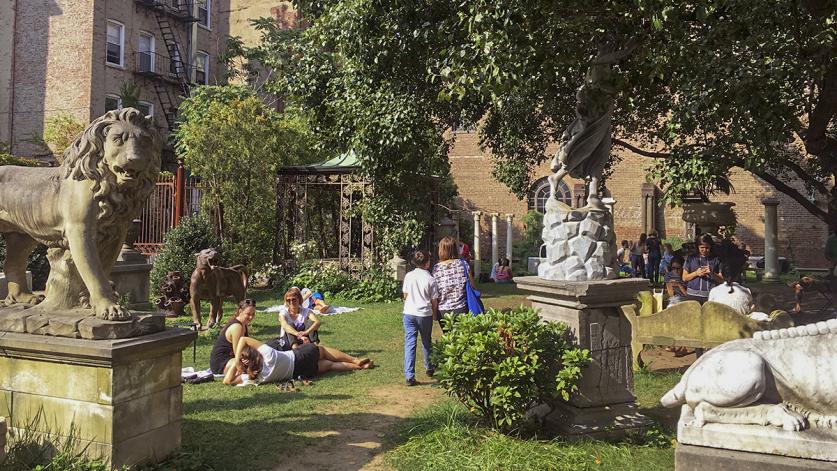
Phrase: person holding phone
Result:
[702,270]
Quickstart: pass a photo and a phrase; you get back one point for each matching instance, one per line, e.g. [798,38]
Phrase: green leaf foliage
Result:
[707,86]
[501,364]
[236,143]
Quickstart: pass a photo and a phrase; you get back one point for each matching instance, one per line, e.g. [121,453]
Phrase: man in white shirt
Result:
[421,301]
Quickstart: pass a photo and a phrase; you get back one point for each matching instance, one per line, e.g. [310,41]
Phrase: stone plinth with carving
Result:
[580,244]
[122,398]
[774,394]
[604,406]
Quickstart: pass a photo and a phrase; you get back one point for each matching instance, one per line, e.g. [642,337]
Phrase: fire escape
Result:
[169,75]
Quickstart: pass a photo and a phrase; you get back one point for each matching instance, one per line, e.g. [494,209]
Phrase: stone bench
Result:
[692,325]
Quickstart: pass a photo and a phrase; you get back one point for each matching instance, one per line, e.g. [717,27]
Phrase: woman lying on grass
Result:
[264,364]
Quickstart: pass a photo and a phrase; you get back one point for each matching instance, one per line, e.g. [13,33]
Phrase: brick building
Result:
[75,57]
[801,235]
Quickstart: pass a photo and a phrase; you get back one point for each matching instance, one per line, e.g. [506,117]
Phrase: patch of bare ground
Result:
[358,443]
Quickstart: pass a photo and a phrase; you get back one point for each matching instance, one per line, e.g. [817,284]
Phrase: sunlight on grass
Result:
[255,427]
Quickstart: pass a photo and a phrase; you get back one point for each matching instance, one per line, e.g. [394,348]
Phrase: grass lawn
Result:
[371,420]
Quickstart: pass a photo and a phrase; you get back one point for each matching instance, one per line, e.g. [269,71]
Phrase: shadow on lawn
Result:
[297,440]
[261,398]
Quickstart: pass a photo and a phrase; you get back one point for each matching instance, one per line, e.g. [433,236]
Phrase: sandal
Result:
[366,364]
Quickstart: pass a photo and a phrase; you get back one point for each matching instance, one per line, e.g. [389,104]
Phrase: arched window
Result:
[539,195]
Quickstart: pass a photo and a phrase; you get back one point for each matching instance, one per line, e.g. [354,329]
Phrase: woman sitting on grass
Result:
[264,364]
[223,354]
[298,324]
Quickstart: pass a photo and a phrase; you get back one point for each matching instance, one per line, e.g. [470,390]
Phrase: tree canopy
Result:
[707,86]
[235,143]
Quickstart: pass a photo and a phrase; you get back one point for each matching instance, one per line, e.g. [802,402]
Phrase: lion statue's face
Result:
[128,151]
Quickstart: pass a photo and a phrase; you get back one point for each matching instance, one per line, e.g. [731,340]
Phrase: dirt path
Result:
[360,444]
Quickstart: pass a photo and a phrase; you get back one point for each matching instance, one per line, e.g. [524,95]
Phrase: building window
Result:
[201,68]
[204,13]
[112,102]
[146,108]
[145,53]
[116,42]
[539,195]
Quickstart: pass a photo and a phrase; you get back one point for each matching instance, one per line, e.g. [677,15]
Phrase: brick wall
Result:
[52,67]
[801,236]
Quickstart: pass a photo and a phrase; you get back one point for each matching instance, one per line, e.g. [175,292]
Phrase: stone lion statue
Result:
[81,211]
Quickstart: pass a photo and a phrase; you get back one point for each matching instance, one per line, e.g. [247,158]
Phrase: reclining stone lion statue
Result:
[784,378]
[81,211]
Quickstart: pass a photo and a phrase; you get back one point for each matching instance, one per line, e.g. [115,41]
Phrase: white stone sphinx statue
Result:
[81,211]
[774,393]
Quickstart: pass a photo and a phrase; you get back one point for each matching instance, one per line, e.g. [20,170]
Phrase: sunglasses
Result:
[291,300]
[676,267]
[247,302]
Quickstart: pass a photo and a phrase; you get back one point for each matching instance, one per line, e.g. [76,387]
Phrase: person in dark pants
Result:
[637,259]
[655,256]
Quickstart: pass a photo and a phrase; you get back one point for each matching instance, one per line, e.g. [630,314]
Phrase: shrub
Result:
[376,286]
[325,277]
[501,364]
[192,235]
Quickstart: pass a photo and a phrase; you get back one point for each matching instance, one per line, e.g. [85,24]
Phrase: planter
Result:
[709,216]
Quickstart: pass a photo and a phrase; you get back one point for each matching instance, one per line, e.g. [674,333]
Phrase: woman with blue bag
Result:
[453,279]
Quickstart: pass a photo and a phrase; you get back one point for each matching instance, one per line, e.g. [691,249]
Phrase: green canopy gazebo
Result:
[318,202]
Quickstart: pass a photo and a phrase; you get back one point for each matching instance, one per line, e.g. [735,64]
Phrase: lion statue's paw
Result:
[111,311]
[780,416]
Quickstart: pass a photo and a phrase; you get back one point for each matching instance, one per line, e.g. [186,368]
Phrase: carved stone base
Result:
[122,398]
[610,423]
[701,458]
[810,444]
[76,324]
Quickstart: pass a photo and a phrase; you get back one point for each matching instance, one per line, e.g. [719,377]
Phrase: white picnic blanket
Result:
[331,312]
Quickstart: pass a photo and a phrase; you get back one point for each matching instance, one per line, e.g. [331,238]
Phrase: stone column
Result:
[648,207]
[476,247]
[771,239]
[509,230]
[494,233]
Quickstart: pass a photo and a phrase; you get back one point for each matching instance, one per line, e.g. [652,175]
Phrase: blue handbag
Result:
[475,305]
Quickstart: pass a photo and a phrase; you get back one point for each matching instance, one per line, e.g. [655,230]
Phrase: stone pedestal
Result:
[815,444]
[122,398]
[604,406]
[131,277]
[700,458]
